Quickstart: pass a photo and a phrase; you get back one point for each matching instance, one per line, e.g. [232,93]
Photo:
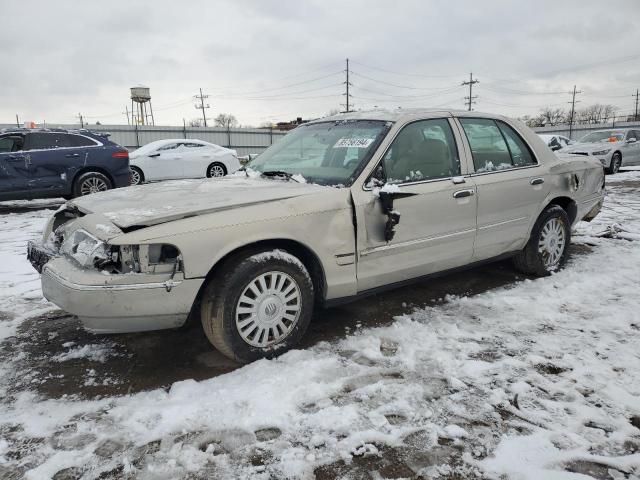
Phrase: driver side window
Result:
[423,150]
[171,146]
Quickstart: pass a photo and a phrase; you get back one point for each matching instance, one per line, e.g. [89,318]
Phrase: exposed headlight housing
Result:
[602,152]
[154,258]
[86,249]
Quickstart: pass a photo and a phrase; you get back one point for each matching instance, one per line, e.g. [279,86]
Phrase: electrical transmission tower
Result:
[202,105]
[348,105]
[573,108]
[470,100]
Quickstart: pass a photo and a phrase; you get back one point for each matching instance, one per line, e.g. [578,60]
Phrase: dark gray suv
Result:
[37,163]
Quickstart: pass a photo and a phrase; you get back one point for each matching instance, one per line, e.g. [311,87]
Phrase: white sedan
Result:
[181,158]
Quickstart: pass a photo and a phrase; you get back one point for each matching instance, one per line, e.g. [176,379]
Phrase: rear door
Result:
[53,161]
[14,167]
[195,158]
[511,185]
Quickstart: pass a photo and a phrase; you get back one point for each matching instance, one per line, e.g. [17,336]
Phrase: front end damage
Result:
[88,269]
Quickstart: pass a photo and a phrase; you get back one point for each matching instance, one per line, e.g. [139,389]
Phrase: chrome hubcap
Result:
[552,242]
[268,309]
[135,177]
[93,185]
[216,171]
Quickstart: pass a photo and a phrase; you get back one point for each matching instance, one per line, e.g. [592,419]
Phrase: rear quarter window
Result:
[81,141]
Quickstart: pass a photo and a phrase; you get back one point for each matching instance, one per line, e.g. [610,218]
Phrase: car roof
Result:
[402,114]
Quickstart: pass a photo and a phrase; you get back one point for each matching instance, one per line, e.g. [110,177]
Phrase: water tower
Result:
[140,99]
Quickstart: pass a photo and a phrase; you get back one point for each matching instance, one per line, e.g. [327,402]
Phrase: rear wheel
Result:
[91,182]
[258,306]
[137,177]
[547,248]
[616,163]
[216,169]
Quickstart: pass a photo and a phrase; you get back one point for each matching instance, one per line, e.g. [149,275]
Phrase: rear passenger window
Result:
[495,145]
[42,140]
[81,141]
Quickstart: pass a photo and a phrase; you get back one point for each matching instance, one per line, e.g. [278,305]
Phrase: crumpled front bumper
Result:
[119,303]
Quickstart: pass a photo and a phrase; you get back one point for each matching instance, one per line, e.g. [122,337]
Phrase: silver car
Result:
[340,208]
[614,148]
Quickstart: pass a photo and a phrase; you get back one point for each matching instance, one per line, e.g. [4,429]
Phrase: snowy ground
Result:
[538,379]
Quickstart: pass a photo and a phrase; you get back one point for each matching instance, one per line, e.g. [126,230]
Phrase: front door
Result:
[14,167]
[167,162]
[510,186]
[437,223]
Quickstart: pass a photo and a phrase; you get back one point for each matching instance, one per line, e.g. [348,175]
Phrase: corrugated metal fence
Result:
[243,140]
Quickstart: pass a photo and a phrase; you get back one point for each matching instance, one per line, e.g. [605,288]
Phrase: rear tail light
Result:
[120,154]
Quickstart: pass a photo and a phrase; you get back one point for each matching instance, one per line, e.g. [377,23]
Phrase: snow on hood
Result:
[591,147]
[156,203]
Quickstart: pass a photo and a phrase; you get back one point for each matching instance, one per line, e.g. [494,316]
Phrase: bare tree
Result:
[552,116]
[226,120]
[596,113]
[532,122]
[196,122]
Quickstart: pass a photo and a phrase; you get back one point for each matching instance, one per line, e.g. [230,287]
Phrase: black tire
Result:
[140,176]
[221,297]
[530,260]
[616,163]
[82,182]
[215,169]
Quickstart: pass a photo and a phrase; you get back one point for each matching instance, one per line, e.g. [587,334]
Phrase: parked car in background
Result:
[180,158]
[37,163]
[377,199]
[555,142]
[613,148]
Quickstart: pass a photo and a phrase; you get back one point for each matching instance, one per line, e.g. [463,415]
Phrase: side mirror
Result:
[632,140]
[153,155]
[393,218]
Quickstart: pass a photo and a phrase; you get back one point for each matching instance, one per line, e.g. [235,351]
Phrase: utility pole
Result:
[126,112]
[635,117]
[573,108]
[81,120]
[17,121]
[471,83]
[202,106]
[347,94]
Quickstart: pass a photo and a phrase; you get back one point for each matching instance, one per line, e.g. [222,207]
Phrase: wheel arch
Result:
[303,252]
[138,167]
[91,168]
[567,204]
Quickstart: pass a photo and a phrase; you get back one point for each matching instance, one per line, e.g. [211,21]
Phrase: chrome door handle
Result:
[537,181]
[72,155]
[463,193]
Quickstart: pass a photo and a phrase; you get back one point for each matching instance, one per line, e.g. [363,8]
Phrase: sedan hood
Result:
[156,203]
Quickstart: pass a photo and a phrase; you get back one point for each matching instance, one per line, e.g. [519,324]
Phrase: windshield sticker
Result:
[353,142]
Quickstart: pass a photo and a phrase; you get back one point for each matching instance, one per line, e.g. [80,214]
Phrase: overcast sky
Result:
[275,60]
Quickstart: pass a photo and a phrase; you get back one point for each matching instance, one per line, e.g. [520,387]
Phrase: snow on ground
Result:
[538,380]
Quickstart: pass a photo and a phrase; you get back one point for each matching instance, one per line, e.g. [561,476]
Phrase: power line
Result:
[403,74]
[410,87]
[471,83]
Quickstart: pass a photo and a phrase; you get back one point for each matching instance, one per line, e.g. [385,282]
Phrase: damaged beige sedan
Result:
[339,208]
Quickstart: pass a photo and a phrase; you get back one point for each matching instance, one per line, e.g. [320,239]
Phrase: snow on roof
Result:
[150,147]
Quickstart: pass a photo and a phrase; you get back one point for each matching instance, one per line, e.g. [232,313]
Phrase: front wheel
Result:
[547,248]
[258,306]
[616,163]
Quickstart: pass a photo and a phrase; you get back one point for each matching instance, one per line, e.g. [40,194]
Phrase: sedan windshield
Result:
[328,153]
[603,136]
